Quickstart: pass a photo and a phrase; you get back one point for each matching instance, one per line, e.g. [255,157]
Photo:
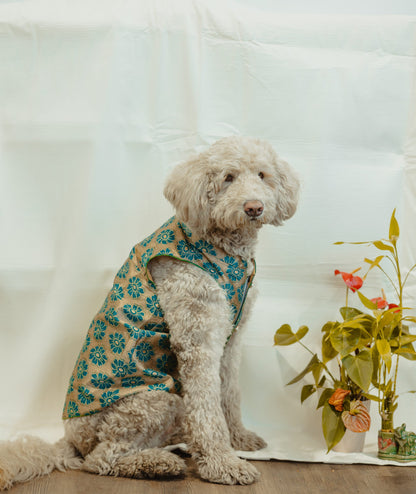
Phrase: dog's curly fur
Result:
[209,193]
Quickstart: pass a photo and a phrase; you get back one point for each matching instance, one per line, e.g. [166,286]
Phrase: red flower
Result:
[338,397]
[354,283]
[393,306]
[381,302]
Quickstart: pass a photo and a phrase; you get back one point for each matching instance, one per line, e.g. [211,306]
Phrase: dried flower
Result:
[357,418]
[338,398]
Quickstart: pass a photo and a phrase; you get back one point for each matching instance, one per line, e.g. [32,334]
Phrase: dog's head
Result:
[238,181]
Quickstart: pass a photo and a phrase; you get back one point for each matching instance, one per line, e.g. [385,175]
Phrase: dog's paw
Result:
[5,481]
[227,469]
[244,440]
[151,463]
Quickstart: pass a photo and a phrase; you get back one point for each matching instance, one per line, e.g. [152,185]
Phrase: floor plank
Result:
[278,477]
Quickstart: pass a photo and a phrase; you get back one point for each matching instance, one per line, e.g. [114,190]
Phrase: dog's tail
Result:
[29,457]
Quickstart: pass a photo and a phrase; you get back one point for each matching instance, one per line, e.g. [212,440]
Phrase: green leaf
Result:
[384,350]
[332,426]
[301,332]
[312,364]
[307,391]
[348,313]
[394,230]
[325,395]
[345,340]
[328,351]
[373,263]
[367,302]
[407,353]
[382,246]
[285,336]
[359,368]
[372,397]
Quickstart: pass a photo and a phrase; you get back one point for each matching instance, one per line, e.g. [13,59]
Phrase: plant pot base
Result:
[397,445]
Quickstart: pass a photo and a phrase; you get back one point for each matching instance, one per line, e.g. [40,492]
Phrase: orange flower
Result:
[357,418]
[354,283]
[337,399]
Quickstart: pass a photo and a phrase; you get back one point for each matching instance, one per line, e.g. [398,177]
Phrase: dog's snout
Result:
[253,208]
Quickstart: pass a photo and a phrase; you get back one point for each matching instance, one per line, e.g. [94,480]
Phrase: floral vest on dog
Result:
[127,347]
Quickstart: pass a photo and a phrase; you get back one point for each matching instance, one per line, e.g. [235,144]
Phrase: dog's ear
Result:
[287,190]
[189,190]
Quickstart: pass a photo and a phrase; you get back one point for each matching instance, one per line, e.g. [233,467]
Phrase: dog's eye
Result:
[229,178]
[261,175]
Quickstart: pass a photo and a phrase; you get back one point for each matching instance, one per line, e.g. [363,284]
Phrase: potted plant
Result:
[367,348]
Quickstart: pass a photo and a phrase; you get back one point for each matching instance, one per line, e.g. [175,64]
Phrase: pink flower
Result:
[354,283]
[357,419]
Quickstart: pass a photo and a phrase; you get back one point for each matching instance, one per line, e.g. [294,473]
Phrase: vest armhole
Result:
[149,276]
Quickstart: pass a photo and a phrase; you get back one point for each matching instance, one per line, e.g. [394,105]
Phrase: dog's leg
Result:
[199,320]
[125,439]
[241,438]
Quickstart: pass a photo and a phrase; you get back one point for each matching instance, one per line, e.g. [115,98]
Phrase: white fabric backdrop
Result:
[98,99]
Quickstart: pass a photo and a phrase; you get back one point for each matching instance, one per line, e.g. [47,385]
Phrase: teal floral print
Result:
[213,270]
[121,368]
[235,273]
[127,347]
[101,381]
[124,270]
[85,396]
[98,356]
[166,363]
[117,293]
[111,317]
[135,287]
[229,290]
[117,342]
[166,237]
[133,312]
[99,330]
[144,351]
[72,409]
[153,305]
[204,246]
[86,344]
[164,342]
[146,256]
[82,369]
[188,251]
[109,397]
[154,374]
[132,382]
[159,387]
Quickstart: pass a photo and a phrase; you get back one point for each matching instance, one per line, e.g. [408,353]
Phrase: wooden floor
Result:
[277,477]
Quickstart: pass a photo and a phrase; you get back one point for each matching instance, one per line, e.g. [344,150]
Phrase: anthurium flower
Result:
[380,302]
[338,397]
[354,283]
[357,418]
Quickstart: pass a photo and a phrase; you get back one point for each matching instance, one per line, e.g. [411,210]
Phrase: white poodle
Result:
[160,361]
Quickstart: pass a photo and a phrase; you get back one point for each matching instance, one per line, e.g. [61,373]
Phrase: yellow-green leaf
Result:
[311,365]
[285,336]
[332,426]
[394,230]
[384,350]
[382,246]
[307,391]
[359,368]
[367,302]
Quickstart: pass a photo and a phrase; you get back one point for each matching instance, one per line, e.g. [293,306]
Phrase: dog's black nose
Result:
[254,209]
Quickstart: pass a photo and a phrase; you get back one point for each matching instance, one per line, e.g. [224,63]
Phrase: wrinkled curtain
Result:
[98,100]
